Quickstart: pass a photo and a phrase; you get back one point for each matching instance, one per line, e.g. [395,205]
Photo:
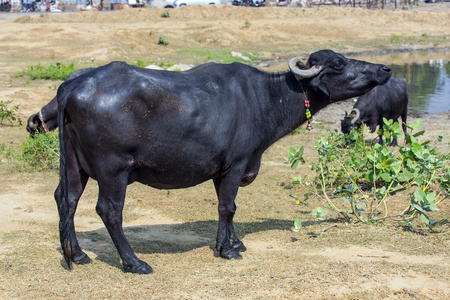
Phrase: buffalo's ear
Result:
[318,85]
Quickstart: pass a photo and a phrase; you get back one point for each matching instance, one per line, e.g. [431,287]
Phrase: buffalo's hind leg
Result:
[77,180]
[228,244]
[111,199]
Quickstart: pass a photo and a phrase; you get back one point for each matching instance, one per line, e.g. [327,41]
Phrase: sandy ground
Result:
[269,271]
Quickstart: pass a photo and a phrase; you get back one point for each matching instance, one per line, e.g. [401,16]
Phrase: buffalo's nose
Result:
[386,69]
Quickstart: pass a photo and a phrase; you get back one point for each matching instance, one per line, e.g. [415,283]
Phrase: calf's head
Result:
[351,120]
[338,77]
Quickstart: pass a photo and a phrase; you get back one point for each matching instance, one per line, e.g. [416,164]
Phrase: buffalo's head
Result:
[338,77]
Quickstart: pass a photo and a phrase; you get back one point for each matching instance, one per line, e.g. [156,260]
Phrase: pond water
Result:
[427,74]
[428,85]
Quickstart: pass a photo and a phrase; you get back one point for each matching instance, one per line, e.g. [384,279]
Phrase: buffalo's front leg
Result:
[110,206]
[228,244]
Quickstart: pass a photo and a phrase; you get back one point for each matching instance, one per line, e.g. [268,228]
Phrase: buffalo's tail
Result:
[63,203]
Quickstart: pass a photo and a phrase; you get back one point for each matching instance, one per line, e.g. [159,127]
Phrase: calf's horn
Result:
[32,123]
[358,113]
[311,72]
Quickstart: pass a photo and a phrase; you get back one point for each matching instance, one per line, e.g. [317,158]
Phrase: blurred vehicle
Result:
[255,3]
[180,3]
[283,2]
[161,3]
[28,6]
[136,3]
[5,6]
[54,7]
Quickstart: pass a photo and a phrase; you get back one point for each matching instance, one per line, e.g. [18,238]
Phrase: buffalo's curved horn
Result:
[33,125]
[311,72]
[358,113]
[32,122]
[346,114]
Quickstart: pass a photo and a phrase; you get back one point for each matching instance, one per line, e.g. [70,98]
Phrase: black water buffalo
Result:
[46,119]
[121,124]
[388,101]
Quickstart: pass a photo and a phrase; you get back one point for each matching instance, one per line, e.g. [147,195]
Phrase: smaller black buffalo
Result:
[47,118]
[120,124]
[388,101]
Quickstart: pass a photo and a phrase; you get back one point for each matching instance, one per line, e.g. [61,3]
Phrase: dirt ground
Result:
[174,232]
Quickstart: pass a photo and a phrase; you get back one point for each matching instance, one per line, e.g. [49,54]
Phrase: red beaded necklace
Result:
[307,112]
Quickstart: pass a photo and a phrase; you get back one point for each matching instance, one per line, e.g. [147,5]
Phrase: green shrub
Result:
[162,40]
[9,114]
[395,38]
[140,63]
[358,179]
[36,154]
[165,14]
[57,71]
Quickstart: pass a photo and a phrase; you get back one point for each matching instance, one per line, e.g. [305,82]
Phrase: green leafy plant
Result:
[87,63]
[35,154]
[9,114]
[297,224]
[162,40]
[140,63]
[395,38]
[390,130]
[165,14]
[56,71]
[295,157]
[358,179]
[319,212]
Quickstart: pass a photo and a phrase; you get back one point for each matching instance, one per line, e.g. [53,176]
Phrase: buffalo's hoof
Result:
[230,253]
[141,268]
[239,246]
[83,259]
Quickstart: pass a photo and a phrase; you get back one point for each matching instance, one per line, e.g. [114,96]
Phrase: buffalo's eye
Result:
[338,65]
